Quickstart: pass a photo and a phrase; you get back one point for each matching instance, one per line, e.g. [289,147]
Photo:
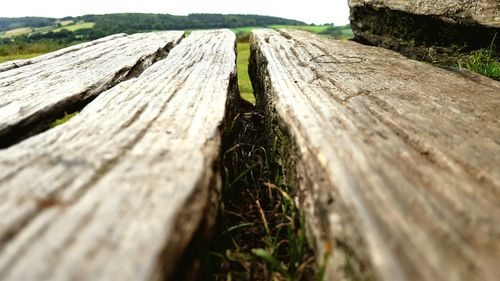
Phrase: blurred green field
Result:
[68,25]
[311,28]
[19,57]
[15,32]
[244,83]
[76,26]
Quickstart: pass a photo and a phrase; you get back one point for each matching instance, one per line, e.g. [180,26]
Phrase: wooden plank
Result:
[34,93]
[439,32]
[397,162]
[20,63]
[483,12]
[117,192]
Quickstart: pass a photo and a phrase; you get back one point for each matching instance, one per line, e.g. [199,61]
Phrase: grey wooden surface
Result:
[35,92]
[484,12]
[117,192]
[23,62]
[397,161]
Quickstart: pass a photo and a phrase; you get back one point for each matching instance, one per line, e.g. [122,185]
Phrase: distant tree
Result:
[332,31]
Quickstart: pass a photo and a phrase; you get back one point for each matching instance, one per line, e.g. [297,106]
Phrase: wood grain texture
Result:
[20,63]
[485,12]
[117,192]
[397,161]
[39,91]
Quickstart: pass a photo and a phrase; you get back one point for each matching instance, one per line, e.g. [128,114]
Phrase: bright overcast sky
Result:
[310,11]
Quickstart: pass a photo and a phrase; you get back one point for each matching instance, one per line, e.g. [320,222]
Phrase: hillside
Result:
[136,22]
[33,22]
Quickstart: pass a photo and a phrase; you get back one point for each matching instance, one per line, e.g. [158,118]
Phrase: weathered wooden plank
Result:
[434,31]
[485,12]
[117,192]
[36,92]
[20,63]
[397,161]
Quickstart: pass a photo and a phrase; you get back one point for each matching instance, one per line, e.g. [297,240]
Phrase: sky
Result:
[309,11]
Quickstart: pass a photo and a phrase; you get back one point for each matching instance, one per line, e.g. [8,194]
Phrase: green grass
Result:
[64,119]
[260,234]
[242,32]
[76,26]
[18,57]
[244,83]
[482,62]
[21,50]
[311,28]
